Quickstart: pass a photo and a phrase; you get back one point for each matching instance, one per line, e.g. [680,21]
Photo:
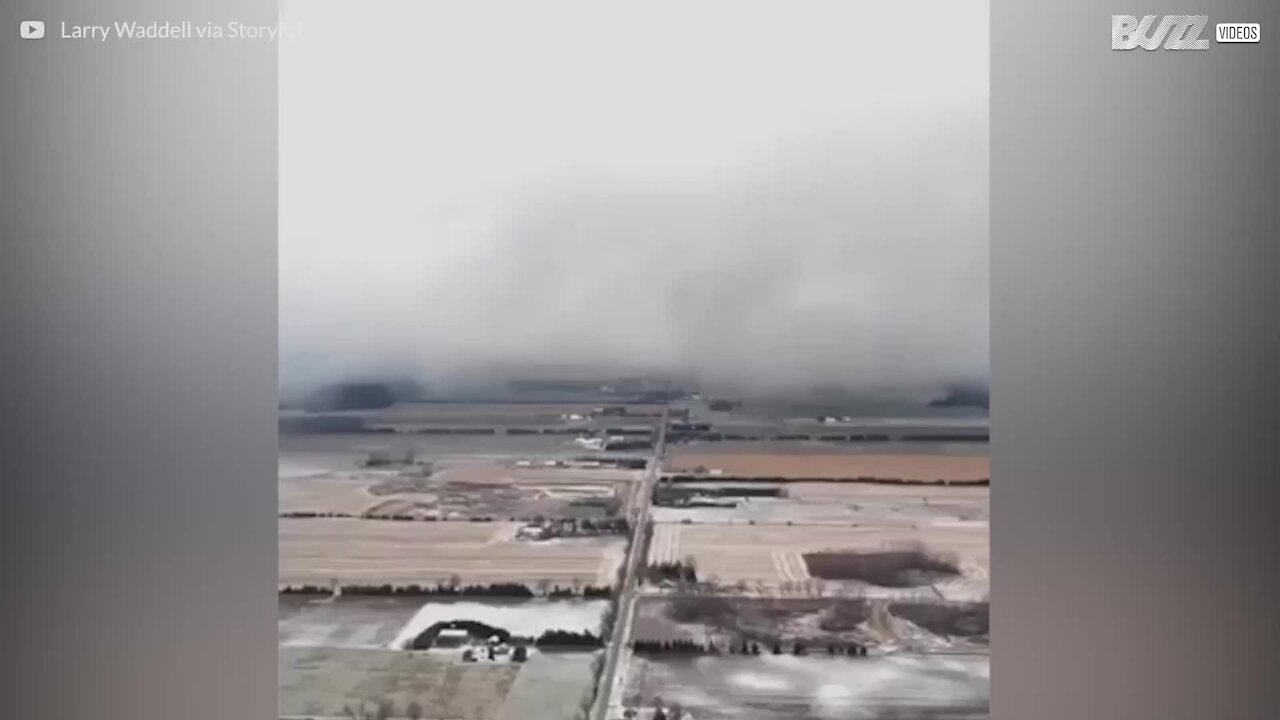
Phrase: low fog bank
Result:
[858,264]
[732,192]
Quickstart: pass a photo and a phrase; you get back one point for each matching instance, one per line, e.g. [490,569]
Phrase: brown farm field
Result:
[727,620]
[483,489]
[508,413]
[323,681]
[833,465]
[316,551]
[326,495]
[320,682]
[770,555]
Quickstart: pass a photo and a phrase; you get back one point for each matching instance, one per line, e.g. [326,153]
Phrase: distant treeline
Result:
[350,396]
[687,478]
[677,432]
[507,590]
[630,463]
[447,431]
[321,424]
[524,385]
[581,526]
[684,432]
[667,496]
[351,425]
[384,516]
[744,647]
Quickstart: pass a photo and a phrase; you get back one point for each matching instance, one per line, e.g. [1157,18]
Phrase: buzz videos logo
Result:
[1175,32]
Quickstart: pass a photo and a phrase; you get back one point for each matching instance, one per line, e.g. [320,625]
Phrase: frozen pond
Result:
[816,687]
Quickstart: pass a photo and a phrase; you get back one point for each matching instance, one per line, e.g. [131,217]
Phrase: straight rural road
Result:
[610,681]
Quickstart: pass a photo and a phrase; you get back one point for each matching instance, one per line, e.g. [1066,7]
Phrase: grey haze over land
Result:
[756,194]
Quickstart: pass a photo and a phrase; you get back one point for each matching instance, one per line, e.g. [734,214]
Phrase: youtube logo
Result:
[31,29]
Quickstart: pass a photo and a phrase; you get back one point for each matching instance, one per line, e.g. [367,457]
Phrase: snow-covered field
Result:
[353,551]
[767,687]
[528,618]
[772,554]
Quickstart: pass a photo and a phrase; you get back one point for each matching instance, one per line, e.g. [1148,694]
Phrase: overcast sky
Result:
[783,193]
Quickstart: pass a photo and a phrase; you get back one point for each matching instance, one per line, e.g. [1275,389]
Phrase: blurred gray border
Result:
[1134,366]
[138,295]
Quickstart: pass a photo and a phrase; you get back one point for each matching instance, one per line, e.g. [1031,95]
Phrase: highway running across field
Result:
[611,681]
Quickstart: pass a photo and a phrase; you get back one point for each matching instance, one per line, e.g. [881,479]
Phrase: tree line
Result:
[573,526]
[863,479]
[509,590]
[743,647]
[678,571]
[569,638]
